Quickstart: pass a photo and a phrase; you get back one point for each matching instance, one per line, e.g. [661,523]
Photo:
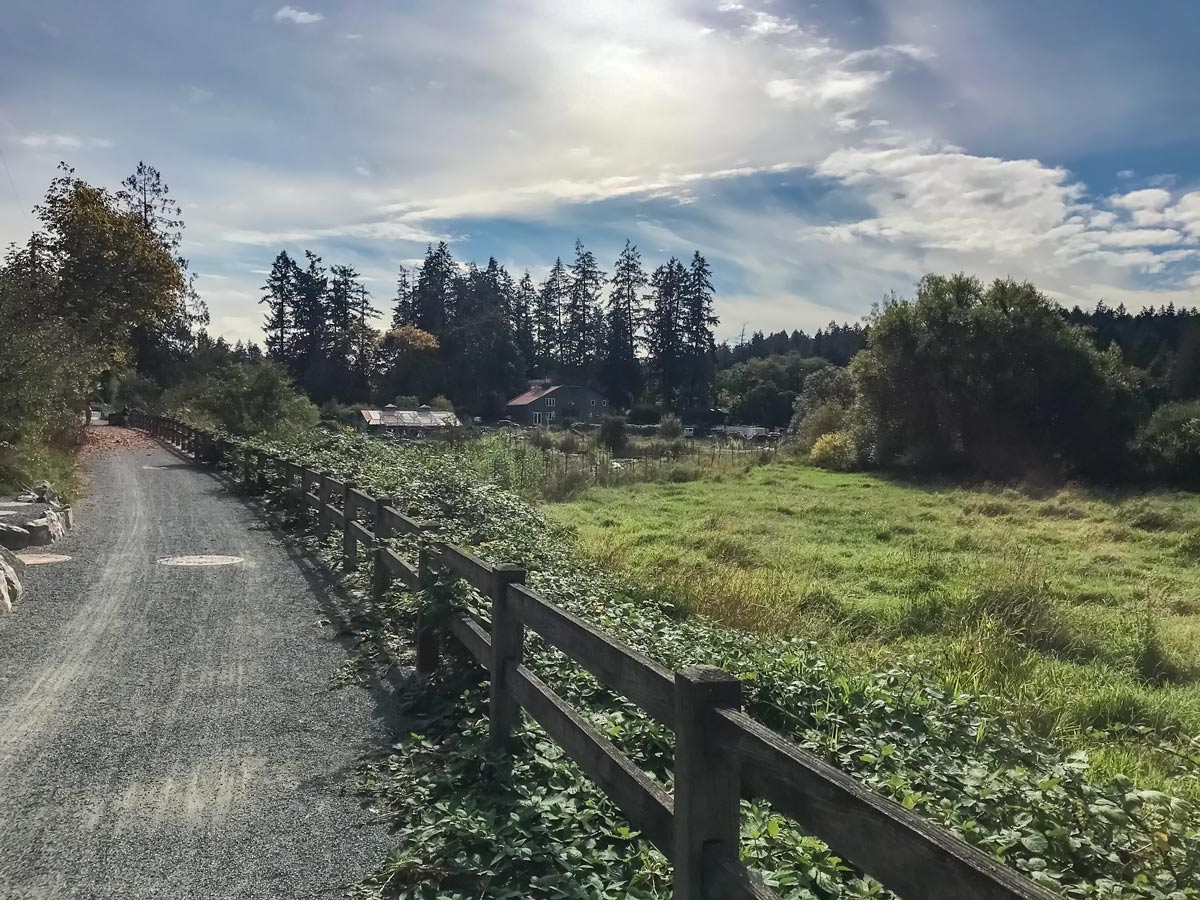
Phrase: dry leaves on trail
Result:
[110,438]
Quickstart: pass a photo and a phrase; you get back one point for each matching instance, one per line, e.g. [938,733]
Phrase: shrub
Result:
[992,378]
[1168,445]
[670,427]
[613,434]
[832,385]
[541,438]
[834,451]
[570,443]
[825,419]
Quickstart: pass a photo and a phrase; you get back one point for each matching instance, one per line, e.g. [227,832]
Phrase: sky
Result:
[821,155]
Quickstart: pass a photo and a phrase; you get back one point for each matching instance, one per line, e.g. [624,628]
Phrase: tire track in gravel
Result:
[170,731]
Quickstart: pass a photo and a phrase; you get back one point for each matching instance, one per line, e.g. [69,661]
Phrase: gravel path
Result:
[171,732]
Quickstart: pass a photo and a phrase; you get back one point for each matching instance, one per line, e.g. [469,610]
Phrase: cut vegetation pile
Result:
[471,825]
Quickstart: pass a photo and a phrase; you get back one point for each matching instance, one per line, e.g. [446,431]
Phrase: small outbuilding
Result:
[546,403]
[419,422]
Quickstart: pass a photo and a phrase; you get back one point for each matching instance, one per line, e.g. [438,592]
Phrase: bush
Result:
[570,443]
[244,399]
[670,427]
[994,379]
[613,434]
[830,386]
[825,419]
[541,438]
[834,451]
[136,391]
[1168,445]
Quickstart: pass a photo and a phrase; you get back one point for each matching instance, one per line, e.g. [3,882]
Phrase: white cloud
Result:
[1151,199]
[64,142]
[298,16]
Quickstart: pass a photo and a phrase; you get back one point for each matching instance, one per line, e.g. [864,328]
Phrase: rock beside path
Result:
[11,572]
[14,537]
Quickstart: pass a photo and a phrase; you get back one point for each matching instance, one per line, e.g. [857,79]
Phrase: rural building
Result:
[407,422]
[554,404]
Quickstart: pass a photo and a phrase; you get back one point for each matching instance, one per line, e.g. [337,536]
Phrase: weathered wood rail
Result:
[722,755]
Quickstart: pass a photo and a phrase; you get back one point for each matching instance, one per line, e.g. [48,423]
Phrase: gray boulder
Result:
[14,537]
[12,570]
[40,493]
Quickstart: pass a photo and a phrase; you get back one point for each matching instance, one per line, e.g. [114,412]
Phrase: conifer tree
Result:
[524,303]
[311,320]
[404,309]
[697,326]
[434,297]
[578,339]
[620,369]
[665,340]
[280,298]
[548,317]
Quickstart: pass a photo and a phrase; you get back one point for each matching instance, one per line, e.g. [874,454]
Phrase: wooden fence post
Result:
[323,523]
[508,642]
[426,637]
[707,782]
[349,538]
[381,575]
[305,491]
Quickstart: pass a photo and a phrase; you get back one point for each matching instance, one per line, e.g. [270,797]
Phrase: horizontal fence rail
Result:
[722,755]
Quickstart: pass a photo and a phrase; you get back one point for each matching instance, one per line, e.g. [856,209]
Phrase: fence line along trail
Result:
[167,722]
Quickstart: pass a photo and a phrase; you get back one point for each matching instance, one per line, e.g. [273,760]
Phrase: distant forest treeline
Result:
[477,334]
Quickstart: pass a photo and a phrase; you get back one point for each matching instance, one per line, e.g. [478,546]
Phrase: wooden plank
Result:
[617,667]
[647,806]
[361,533]
[474,638]
[401,569]
[401,522]
[905,853]
[363,500]
[335,487]
[333,513]
[467,566]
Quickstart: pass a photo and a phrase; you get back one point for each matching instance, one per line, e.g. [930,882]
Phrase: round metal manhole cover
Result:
[208,560]
[41,559]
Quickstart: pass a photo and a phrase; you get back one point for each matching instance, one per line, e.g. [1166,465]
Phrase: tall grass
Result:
[1079,607]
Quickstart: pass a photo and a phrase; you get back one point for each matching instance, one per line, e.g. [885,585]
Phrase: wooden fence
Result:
[721,754]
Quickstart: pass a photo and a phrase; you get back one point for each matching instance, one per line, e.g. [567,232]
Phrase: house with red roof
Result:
[548,404]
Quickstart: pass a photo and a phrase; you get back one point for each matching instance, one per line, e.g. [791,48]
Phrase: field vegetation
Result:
[470,824]
[1077,607]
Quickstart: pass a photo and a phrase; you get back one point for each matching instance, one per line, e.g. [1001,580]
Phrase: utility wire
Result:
[12,184]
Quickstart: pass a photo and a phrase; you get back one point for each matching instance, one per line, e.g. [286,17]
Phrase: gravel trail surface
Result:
[171,731]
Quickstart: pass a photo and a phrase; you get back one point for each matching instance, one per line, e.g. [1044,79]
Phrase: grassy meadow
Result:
[1078,606]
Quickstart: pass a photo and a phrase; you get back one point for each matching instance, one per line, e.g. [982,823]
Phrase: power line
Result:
[12,184]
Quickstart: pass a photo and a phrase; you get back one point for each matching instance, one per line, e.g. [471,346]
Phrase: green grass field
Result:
[1080,607]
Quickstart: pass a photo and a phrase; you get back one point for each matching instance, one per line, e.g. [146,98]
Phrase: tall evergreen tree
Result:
[620,369]
[310,321]
[548,317]
[404,309]
[697,326]
[581,317]
[524,304]
[280,298]
[434,297]
[665,339]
